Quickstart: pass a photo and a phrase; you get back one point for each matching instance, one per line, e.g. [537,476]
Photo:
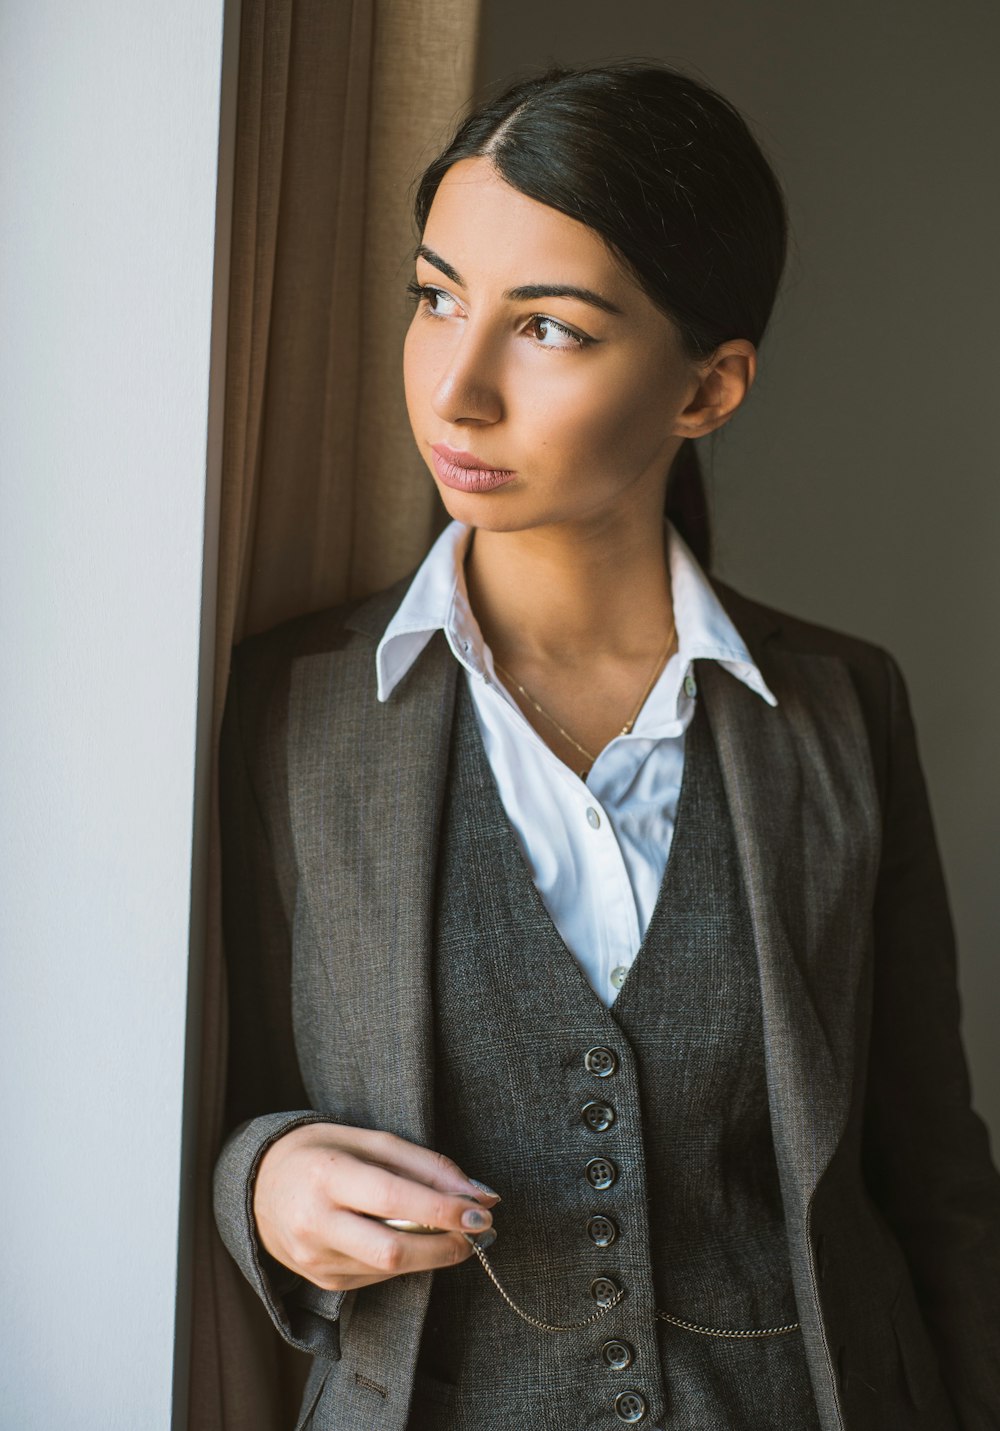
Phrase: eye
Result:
[564,337]
[543,328]
[427,293]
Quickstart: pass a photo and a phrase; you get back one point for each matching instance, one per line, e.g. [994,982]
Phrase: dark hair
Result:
[668,173]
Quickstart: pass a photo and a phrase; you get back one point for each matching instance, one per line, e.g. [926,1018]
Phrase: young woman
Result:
[563,870]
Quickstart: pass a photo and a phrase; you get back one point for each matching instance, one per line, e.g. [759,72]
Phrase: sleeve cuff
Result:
[307,1316]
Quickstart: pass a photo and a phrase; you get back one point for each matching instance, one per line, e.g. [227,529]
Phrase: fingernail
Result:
[484,1189]
[475,1219]
[483,1239]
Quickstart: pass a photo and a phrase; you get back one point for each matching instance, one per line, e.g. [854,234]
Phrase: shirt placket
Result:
[613,914]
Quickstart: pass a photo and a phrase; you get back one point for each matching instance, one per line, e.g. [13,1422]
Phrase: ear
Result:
[720,384]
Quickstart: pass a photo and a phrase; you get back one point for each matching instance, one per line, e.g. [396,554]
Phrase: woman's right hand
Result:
[320,1187]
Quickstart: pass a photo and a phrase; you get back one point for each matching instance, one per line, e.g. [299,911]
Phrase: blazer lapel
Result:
[365,818]
[801,792]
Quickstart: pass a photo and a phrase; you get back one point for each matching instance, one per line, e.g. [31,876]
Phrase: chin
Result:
[511,509]
[493,511]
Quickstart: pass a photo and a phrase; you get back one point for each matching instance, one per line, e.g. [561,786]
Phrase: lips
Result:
[457,458]
[466,472]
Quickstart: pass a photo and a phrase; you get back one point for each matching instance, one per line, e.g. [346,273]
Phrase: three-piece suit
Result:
[770,1126]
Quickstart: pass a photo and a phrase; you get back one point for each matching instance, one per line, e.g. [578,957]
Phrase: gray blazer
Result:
[330,804]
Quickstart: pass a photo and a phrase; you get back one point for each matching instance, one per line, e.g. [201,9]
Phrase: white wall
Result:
[859,486]
[109,145]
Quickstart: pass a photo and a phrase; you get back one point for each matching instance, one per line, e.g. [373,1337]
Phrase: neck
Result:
[568,593]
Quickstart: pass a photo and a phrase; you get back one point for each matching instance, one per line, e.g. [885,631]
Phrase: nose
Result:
[468,389]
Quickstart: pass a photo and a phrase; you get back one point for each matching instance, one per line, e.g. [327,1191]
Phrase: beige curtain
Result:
[324,497]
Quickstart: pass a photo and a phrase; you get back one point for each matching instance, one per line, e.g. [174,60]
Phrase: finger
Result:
[365,1247]
[378,1192]
[423,1165]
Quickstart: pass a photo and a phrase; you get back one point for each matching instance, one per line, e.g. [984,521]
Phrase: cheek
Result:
[423,365]
[601,420]
[427,353]
[414,367]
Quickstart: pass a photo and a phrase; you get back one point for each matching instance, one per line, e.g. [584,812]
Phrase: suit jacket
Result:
[331,803]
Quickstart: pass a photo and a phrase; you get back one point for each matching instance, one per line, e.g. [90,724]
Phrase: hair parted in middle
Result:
[667,172]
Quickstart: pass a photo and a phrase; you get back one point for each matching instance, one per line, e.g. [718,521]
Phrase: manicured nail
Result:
[484,1189]
[474,1219]
[482,1239]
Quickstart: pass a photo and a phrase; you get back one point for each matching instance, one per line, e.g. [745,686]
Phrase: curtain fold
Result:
[340,103]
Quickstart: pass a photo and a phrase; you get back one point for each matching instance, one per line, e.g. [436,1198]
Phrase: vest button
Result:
[601,1173]
[630,1407]
[603,1291]
[598,1116]
[601,1062]
[617,1355]
[602,1231]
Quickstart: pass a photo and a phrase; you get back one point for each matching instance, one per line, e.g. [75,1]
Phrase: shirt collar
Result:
[437,600]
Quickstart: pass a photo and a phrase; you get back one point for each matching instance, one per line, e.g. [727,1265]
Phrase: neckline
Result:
[694,735]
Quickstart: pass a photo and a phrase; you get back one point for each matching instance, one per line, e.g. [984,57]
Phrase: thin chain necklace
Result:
[626,728]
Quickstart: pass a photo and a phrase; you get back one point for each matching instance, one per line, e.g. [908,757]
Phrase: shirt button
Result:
[598,1116]
[617,1355]
[630,1407]
[603,1291]
[593,818]
[601,1231]
[690,685]
[618,976]
[601,1173]
[601,1062]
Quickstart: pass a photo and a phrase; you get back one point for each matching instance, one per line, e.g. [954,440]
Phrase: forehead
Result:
[488,230]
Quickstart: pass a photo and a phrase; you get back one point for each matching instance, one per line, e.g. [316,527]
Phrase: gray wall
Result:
[858,488]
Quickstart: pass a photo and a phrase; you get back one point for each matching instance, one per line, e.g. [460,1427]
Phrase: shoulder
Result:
[770,632]
[792,651]
[263,664]
[319,631]
[757,621]
[266,655]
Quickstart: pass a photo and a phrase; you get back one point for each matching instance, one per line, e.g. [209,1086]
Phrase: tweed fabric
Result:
[697,1201]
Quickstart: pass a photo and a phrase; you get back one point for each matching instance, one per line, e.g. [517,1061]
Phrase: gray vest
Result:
[630,1145]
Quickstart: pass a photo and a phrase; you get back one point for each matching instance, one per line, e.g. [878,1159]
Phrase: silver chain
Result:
[602,1311]
[609,1306]
[722,1332]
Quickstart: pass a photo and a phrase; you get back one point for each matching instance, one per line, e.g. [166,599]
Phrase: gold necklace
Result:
[626,728]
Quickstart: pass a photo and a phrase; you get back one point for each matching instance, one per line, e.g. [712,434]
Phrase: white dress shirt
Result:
[596,849]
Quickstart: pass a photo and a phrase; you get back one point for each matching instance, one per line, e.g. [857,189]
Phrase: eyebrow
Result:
[526,290]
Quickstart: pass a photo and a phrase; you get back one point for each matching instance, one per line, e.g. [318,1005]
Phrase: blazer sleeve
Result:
[927,1153]
[265,1097]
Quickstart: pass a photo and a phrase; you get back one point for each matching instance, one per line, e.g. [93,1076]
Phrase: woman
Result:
[564,870]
